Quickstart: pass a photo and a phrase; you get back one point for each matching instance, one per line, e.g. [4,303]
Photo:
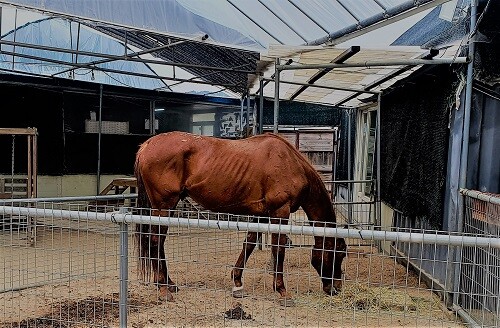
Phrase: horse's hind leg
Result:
[248,247]
[158,261]
[172,287]
[278,250]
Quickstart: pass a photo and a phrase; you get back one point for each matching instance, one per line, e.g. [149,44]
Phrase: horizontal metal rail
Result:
[481,196]
[68,199]
[377,63]
[200,222]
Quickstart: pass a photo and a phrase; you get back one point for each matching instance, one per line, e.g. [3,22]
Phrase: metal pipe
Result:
[125,55]
[98,185]
[282,20]
[378,203]
[319,86]
[253,21]
[378,63]
[261,105]
[228,223]
[348,53]
[462,183]
[242,102]
[120,57]
[123,272]
[308,16]
[248,111]
[14,38]
[68,199]
[481,196]
[276,95]
[349,165]
[465,316]
[112,70]
[405,10]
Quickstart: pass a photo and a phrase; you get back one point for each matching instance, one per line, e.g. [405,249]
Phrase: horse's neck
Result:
[317,204]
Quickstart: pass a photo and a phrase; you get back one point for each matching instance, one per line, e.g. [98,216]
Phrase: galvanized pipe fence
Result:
[122,216]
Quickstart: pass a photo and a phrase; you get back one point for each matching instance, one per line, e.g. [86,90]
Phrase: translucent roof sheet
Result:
[250,24]
[240,32]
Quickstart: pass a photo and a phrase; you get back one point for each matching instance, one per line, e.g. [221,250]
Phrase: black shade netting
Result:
[414,143]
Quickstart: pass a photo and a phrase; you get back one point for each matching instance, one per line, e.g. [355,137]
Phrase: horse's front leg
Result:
[248,247]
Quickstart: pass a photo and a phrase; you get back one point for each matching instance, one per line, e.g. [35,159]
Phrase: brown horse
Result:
[261,175]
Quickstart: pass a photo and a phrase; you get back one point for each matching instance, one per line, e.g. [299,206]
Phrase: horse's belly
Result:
[229,201]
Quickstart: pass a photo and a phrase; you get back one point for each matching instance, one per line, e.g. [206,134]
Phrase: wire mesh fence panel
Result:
[72,276]
[480,271]
[67,277]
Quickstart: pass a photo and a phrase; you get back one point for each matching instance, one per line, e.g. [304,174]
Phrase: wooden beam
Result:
[18,131]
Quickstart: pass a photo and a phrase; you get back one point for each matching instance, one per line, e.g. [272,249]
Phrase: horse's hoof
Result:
[287,302]
[165,295]
[173,288]
[331,291]
[238,292]
[169,298]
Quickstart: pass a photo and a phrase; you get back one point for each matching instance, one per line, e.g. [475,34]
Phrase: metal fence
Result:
[81,270]
[480,268]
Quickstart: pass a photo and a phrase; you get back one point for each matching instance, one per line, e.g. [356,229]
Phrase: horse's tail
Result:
[142,231]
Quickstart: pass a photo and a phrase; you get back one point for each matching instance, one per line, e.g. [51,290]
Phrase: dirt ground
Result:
[71,279]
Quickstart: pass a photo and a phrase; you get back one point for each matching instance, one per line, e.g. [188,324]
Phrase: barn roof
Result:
[226,42]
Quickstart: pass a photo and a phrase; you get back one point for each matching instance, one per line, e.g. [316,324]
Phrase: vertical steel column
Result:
[378,202]
[349,167]
[1,14]
[152,107]
[276,95]
[98,185]
[123,272]
[248,112]
[14,39]
[242,103]
[465,148]
[261,105]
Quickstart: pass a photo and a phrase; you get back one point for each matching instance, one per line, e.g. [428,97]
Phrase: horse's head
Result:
[328,263]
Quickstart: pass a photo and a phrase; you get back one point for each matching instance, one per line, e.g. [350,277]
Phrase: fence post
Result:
[123,272]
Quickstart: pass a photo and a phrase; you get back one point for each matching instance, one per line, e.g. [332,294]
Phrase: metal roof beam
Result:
[134,54]
[59,62]
[324,86]
[282,20]
[115,57]
[348,53]
[378,63]
[253,21]
[409,8]
[432,53]
[308,16]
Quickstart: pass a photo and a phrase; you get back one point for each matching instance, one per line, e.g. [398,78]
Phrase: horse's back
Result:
[246,176]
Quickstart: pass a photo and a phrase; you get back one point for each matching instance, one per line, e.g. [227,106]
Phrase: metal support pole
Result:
[242,102]
[123,272]
[248,111]
[98,185]
[349,166]
[378,201]
[378,63]
[456,267]
[276,95]
[261,105]
[1,14]
[152,106]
